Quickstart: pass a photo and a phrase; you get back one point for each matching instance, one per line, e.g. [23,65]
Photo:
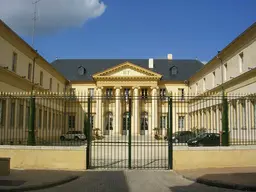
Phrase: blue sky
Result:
[188,29]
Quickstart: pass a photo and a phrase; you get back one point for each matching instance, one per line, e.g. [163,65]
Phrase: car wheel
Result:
[76,138]
[62,138]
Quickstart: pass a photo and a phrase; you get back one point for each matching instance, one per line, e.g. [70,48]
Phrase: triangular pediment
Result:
[127,70]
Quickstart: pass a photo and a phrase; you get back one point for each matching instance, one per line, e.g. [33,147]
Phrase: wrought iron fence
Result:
[61,119]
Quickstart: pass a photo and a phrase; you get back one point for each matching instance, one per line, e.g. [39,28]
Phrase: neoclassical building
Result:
[111,82]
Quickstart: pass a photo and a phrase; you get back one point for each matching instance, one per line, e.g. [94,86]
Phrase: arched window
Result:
[173,70]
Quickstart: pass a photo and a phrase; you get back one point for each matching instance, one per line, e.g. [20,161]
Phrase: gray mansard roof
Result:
[69,67]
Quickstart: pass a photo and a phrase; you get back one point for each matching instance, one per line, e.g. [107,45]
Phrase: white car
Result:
[73,135]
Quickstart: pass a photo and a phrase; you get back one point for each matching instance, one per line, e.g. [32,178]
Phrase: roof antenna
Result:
[34,20]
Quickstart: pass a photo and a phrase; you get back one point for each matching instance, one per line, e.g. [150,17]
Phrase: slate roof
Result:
[69,67]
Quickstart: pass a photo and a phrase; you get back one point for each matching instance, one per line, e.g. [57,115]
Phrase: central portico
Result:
[114,86]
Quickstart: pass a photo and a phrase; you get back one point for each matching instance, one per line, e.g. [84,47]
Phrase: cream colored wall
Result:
[232,61]
[52,158]
[23,59]
[213,157]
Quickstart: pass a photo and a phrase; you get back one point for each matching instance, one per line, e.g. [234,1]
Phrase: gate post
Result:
[31,129]
[88,129]
[225,128]
[169,132]
[130,136]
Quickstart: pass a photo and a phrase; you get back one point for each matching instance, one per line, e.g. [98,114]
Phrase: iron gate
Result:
[134,133]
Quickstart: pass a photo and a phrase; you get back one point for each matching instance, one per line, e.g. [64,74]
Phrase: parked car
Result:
[182,136]
[73,135]
[205,139]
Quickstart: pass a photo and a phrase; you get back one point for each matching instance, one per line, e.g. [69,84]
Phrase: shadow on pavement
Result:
[104,180]
[235,181]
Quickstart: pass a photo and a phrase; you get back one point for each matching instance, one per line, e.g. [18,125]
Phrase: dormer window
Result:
[173,70]
[81,70]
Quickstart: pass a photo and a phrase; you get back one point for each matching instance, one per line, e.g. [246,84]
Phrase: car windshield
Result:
[78,132]
[202,135]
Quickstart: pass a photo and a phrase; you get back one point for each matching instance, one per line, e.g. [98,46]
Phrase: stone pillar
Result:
[136,110]
[154,110]
[99,108]
[117,128]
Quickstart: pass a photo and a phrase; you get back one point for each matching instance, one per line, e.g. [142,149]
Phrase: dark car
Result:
[182,136]
[205,139]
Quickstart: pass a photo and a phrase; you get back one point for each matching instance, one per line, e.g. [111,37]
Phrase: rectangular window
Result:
[57,120]
[40,118]
[50,120]
[2,113]
[109,92]
[213,79]
[50,86]
[181,122]
[21,115]
[181,93]
[45,119]
[12,119]
[241,62]
[29,71]
[14,61]
[91,92]
[234,119]
[163,122]
[144,93]
[126,92]
[196,88]
[27,114]
[53,121]
[243,114]
[225,71]
[58,87]
[41,78]
[204,84]
[71,121]
[162,93]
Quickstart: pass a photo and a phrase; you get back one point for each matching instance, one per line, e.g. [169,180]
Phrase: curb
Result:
[41,186]
[221,184]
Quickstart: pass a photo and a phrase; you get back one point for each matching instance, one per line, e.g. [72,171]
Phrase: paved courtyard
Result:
[133,181]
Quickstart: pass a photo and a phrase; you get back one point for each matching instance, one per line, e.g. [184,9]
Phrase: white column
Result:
[153,111]
[97,109]
[100,108]
[117,128]
[136,110]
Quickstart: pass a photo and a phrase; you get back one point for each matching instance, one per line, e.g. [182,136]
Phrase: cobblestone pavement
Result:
[133,181]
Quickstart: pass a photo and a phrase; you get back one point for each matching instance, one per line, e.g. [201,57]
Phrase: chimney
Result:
[151,63]
[169,56]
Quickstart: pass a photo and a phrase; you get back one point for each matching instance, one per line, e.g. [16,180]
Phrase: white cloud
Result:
[204,62]
[52,15]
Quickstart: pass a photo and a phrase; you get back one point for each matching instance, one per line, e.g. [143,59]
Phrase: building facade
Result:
[111,82]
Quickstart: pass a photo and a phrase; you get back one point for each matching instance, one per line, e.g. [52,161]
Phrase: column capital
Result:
[136,87]
[118,87]
[99,88]
[154,87]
